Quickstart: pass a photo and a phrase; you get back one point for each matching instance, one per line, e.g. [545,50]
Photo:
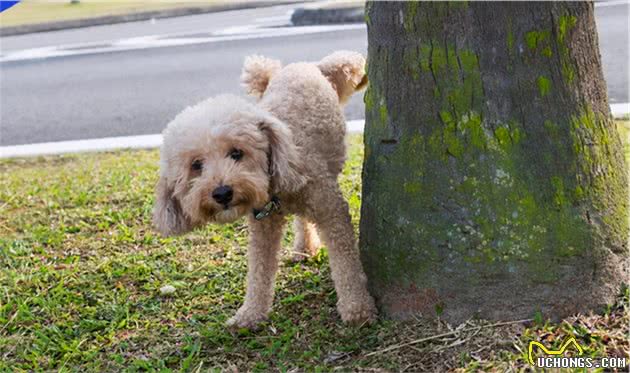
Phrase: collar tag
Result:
[271,207]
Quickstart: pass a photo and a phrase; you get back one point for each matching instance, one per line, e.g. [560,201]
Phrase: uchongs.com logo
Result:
[557,359]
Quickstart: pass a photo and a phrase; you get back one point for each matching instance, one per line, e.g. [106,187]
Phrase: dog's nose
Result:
[223,194]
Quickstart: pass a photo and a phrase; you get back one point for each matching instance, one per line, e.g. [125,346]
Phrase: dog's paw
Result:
[245,320]
[358,313]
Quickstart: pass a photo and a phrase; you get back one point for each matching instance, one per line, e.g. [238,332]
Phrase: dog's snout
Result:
[223,194]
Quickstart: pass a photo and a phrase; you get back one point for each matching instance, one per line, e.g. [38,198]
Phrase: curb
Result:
[133,17]
[107,144]
[154,141]
[321,16]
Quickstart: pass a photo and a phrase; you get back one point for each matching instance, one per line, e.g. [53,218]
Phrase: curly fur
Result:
[345,71]
[292,143]
[257,72]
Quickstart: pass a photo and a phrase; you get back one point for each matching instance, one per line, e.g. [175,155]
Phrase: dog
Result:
[226,158]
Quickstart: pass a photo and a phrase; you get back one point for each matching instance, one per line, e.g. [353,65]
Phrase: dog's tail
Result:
[257,72]
[346,72]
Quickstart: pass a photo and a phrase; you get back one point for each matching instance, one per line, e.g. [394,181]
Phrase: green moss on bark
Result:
[410,16]
[506,220]
[544,85]
[483,183]
[564,26]
[566,23]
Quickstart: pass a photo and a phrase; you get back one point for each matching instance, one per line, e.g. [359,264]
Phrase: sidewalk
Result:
[135,16]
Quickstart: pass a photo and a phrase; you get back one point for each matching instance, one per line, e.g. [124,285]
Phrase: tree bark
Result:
[494,181]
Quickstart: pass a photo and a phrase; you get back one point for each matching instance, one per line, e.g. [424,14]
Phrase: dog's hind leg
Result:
[306,241]
[262,264]
[332,216]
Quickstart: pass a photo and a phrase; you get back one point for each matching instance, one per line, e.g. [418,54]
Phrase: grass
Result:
[81,271]
[40,11]
[624,130]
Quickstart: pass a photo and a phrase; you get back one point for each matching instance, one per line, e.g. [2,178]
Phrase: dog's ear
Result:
[345,70]
[168,217]
[285,162]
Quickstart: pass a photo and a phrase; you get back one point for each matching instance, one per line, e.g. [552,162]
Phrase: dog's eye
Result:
[196,165]
[236,154]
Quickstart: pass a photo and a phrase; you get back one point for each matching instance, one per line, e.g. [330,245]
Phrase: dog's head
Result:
[220,160]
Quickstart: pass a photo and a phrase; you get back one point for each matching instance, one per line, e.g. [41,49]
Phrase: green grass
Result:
[81,271]
[39,11]
[624,131]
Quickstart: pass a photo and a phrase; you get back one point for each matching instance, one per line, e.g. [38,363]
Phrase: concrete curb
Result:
[133,17]
[154,141]
[320,16]
[107,144]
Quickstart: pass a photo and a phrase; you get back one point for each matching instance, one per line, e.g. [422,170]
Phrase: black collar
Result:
[274,204]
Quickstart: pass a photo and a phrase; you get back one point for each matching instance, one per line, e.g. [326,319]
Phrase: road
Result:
[131,79]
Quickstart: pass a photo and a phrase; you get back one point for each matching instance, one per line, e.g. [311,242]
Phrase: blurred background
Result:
[86,69]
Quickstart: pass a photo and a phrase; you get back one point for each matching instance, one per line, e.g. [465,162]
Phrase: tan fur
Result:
[293,146]
[346,72]
[306,241]
[257,71]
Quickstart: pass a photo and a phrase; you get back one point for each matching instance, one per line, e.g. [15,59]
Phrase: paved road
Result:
[614,30]
[101,92]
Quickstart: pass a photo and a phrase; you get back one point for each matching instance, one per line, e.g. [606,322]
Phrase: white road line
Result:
[154,141]
[161,41]
[284,18]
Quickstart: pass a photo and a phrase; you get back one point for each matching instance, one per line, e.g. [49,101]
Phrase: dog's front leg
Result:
[262,264]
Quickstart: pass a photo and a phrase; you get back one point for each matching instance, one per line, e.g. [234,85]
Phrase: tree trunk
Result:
[494,183]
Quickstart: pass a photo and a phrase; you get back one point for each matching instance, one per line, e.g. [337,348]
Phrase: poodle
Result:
[226,158]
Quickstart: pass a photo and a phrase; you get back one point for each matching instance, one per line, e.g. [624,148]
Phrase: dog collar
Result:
[272,206]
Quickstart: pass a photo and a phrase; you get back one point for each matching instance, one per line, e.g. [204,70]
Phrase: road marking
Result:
[153,141]
[172,40]
[274,19]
